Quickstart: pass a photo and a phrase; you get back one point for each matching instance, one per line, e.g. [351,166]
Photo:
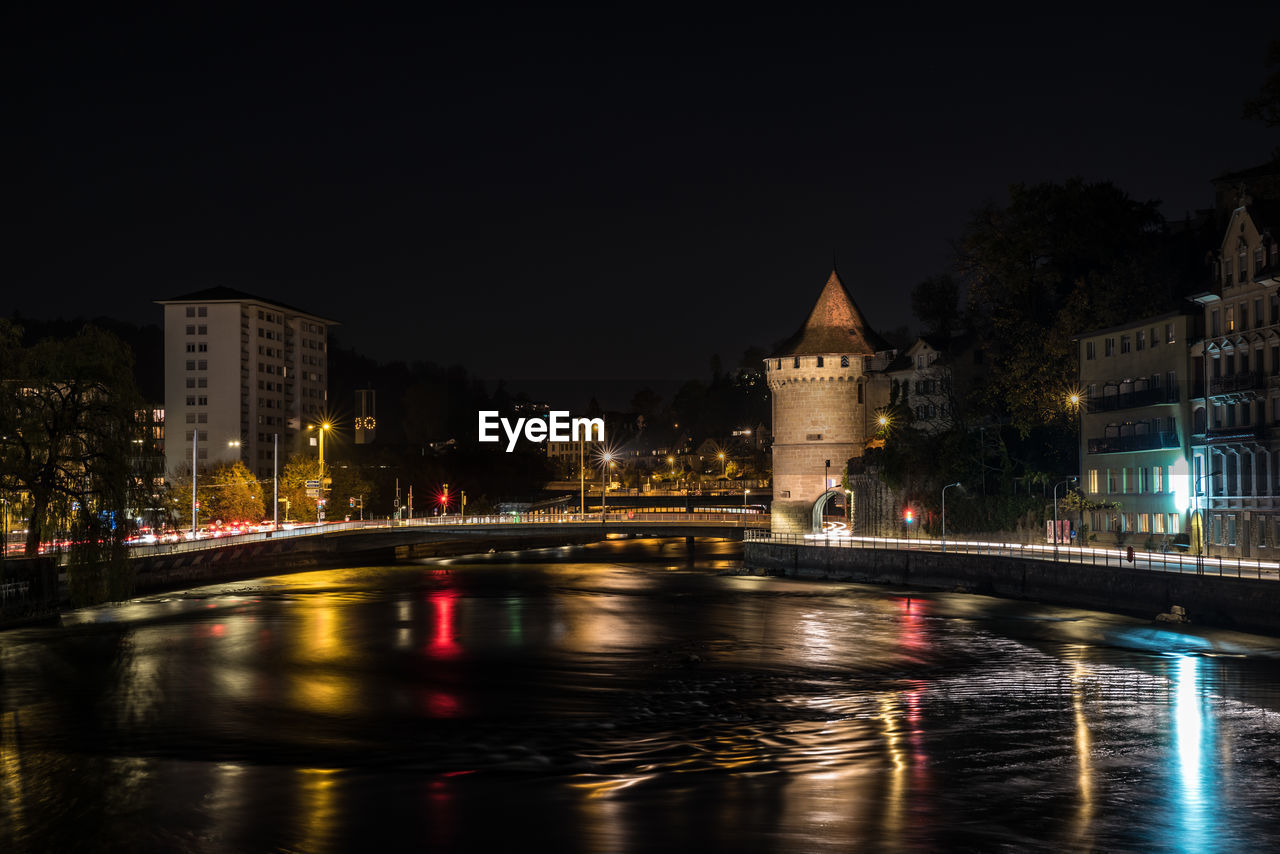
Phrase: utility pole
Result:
[275,481]
[410,502]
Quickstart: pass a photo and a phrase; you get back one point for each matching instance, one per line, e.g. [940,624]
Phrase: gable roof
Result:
[834,326]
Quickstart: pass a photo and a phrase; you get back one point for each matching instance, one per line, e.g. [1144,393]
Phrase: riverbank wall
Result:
[1247,605]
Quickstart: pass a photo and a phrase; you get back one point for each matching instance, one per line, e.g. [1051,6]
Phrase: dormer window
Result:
[844,361]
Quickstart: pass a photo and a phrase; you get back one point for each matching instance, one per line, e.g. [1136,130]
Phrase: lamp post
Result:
[1200,514]
[321,429]
[195,505]
[944,513]
[724,463]
[606,459]
[745,493]
[275,481]
[1055,513]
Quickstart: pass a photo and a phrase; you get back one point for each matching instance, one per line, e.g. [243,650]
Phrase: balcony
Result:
[1242,386]
[1245,434]
[1140,442]
[1129,400]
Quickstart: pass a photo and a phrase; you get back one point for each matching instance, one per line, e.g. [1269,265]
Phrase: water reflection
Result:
[1195,794]
[611,706]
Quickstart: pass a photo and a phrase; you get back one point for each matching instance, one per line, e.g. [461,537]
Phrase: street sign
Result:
[313,493]
[313,484]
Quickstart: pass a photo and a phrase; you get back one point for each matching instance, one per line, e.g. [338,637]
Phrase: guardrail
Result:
[1116,556]
[620,517]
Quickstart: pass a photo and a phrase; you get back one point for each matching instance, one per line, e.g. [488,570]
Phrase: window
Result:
[202,401]
[1109,347]
[1157,479]
[202,382]
[203,365]
[191,348]
[1093,481]
[191,401]
[1257,312]
[1142,339]
[844,361]
[1244,315]
[191,382]
[1124,344]
[1242,274]
[1226,270]
[1090,350]
[1155,339]
[1112,486]
[191,329]
[202,418]
[191,418]
[859,392]
[191,311]
[819,361]
[796,362]
[1168,333]
[1143,481]
[203,347]
[1229,318]
[1214,328]
[191,364]
[203,311]
[202,329]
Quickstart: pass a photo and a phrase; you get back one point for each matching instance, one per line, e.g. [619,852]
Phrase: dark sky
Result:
[573,195]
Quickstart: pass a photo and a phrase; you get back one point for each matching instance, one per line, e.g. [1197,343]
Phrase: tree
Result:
[935,302]
[1055,261]
[234,494]
[1266,106]
[67,431]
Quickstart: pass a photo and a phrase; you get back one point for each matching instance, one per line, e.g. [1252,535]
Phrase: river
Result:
[619,698]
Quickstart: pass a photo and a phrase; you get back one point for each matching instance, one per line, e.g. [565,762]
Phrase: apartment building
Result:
[1238,461]
[239,370]
[1138,382]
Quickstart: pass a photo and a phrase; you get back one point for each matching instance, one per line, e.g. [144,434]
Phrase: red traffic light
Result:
[909,516]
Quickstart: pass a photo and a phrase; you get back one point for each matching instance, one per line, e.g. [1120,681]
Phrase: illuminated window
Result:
[1229,317]
[1093,481]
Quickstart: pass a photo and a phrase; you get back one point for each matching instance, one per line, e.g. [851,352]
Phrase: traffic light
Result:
[908,515]
[351,502]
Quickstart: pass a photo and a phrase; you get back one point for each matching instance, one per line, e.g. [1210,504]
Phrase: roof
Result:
[834,326]
[224,294]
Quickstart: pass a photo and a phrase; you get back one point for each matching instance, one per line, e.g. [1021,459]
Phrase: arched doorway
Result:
[831,513]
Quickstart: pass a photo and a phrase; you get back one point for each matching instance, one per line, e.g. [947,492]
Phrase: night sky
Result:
[556,195]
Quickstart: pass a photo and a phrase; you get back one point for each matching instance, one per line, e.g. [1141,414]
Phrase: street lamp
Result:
[606,460]
[1055,513]
[944,512]
[724,471]
[321,429]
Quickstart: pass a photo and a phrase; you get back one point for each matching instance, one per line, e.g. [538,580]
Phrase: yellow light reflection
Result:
[317,813]
[1084,758]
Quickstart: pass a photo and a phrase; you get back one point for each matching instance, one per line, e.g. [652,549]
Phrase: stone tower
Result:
[826,382]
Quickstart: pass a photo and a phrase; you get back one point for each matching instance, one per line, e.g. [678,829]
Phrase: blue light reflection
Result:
[1195,796]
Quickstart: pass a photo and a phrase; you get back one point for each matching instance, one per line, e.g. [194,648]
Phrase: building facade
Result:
[1238,459]
[826,383]
[1139,383]
[239,371]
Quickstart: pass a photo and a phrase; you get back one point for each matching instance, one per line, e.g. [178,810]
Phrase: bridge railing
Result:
[1095,556]
[621,517]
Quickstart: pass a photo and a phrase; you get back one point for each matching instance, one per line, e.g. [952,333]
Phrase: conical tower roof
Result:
[834,326]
